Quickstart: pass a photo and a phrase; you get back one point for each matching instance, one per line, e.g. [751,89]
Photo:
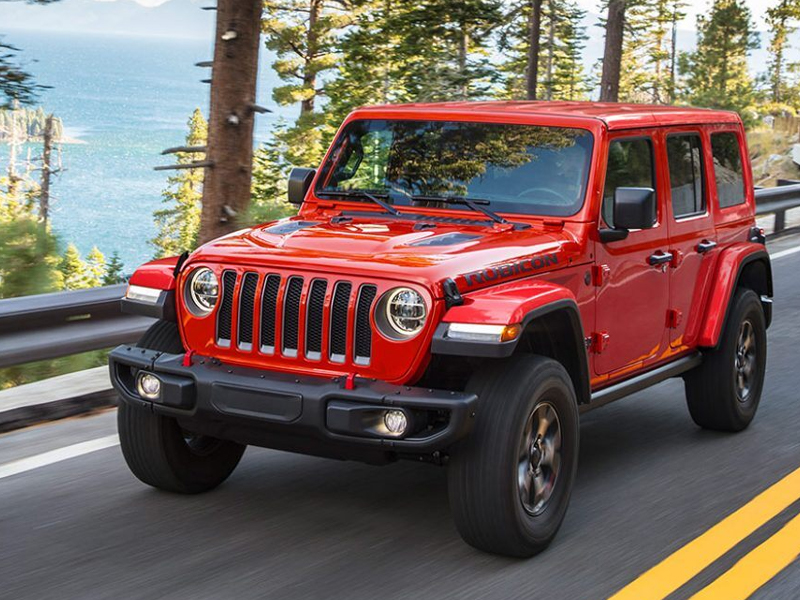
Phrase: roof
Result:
[614,115]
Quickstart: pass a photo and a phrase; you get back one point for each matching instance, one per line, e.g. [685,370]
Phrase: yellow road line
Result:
[756,568]
[678,568]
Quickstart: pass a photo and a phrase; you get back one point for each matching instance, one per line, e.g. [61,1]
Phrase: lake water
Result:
[127,99]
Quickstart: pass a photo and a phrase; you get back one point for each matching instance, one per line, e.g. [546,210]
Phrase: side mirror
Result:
[634,208]
[299,182]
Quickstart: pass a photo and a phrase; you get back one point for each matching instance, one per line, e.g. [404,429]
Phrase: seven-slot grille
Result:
[271,309]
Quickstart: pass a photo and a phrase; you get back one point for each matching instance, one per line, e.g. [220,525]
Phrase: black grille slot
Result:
[225,313]
[363,336]
[291,315]
[316,302]
[247,305]
[338,333]
[269,302]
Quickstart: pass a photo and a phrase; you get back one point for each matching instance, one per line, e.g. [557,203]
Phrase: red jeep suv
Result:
[461,281]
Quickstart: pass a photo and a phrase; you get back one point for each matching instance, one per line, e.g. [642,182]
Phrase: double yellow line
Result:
[746,576]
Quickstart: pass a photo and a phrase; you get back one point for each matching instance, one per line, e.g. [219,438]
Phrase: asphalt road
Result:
[287,526]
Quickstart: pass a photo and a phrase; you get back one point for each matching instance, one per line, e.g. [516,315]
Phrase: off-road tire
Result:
[483,471]
[712,391]
[158,451]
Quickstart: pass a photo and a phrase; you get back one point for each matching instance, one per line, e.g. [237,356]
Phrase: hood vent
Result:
[289,227]
[447,239]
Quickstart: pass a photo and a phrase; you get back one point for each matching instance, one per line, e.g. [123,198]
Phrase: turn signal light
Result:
[478,332]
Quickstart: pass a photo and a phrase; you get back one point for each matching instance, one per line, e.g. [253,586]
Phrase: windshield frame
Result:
[594,128]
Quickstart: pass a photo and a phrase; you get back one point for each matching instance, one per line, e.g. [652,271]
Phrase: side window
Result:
[630,164]
[728,168]
[685,156]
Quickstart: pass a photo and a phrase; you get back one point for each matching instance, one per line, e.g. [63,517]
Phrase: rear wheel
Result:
[510,480]
[723,393]
[162,454]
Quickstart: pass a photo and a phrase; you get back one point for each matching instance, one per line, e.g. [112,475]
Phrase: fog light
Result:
[395,421]
[148,386]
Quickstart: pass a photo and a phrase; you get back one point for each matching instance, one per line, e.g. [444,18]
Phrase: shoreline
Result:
[40,140]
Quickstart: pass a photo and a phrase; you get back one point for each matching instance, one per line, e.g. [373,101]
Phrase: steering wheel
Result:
[540,190]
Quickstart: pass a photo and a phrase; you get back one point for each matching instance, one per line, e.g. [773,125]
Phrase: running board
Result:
[643,381]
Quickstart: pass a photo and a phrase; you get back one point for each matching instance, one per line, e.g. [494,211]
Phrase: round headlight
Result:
[203,288]
[403,311]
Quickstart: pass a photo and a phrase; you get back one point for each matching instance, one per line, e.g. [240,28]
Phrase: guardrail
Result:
[777,200]
[46,326]
[50,326]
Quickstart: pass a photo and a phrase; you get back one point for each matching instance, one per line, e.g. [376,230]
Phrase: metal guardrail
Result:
[777,200]
[46,326]
[50,326]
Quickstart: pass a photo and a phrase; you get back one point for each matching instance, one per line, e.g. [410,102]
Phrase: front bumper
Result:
[314,415]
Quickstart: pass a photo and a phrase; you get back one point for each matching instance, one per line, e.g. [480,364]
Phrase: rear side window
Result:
[685,155]
[630,164]
[728,168]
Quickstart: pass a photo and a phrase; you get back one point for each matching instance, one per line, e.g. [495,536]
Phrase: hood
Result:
[419,249]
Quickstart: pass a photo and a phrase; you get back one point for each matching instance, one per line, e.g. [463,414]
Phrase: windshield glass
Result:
[517,168]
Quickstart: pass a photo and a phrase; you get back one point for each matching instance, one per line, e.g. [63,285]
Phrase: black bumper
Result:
[314,415]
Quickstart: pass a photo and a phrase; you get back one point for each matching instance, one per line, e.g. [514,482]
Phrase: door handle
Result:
[659,258]
[705,246]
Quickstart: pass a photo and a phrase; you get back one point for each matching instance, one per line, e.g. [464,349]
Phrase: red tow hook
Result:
[350,382]
[187,358]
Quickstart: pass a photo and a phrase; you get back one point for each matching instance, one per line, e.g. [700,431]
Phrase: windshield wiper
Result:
[362,194]
[476,204]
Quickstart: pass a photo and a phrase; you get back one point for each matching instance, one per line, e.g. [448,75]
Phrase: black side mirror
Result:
[299,182]
[634,208]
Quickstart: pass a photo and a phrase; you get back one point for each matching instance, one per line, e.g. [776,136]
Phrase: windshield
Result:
[516,168]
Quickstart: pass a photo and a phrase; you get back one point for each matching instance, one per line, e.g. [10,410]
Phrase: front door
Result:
[691,232]
[632,293]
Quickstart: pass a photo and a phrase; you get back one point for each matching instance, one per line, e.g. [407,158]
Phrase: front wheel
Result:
[162,454]
[510,480]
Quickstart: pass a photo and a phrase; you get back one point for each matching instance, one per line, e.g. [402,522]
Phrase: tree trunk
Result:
[534,33]
[612,57]
[463,47]
[673,56]
[312,42]
[13,146]
[226,188]
[47,171]
[551,48]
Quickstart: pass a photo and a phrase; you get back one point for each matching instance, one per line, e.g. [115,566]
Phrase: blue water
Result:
[126,98]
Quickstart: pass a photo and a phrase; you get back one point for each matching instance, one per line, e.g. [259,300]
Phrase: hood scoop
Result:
[289,227]
[447,239]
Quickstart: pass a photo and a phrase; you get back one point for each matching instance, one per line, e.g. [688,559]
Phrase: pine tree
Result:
[781,20]
[716,74]
[179,221]
[372,58]
[114,270]
[648,52]
[95,267]
[560,73]
[74,270]
[270,172]
[445,48]
[304,34]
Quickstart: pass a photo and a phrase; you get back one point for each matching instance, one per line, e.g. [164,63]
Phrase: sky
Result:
[182,18]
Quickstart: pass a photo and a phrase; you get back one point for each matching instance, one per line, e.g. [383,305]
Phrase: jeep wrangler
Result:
[461,281]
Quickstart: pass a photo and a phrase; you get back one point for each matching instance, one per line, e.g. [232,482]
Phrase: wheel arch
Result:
[550,321]
[742,265]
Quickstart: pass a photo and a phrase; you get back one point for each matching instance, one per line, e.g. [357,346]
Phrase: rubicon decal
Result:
[527,265]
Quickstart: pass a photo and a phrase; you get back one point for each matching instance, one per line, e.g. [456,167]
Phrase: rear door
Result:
[633,294]
[692,237]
